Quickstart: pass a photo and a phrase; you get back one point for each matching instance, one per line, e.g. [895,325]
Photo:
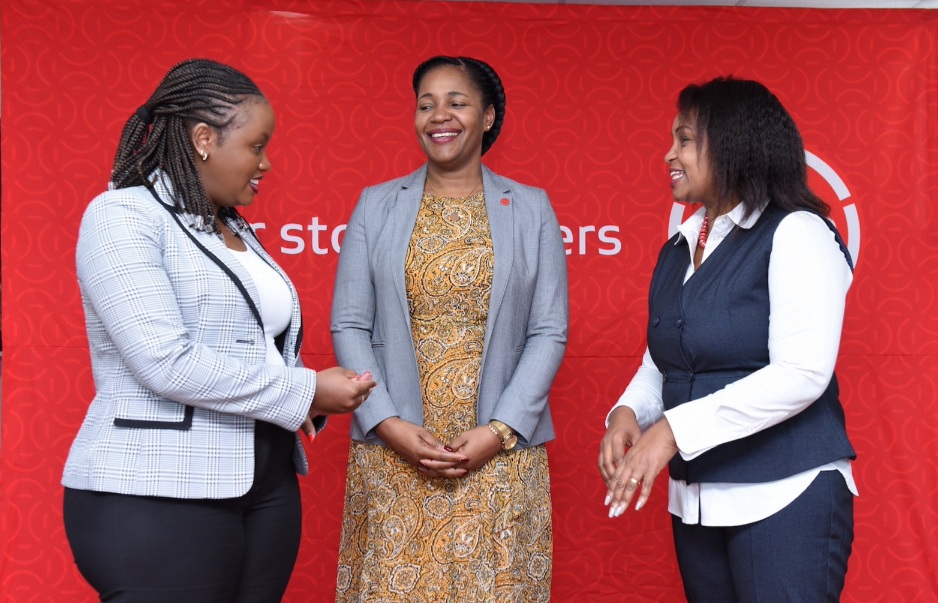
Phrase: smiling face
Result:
[237,158]
[691,179]
[450,118]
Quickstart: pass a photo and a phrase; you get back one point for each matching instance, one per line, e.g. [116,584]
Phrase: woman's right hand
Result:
[420,448]
[339,390]
[623,432]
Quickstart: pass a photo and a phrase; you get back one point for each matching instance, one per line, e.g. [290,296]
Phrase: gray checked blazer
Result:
[177,357]
[526,331]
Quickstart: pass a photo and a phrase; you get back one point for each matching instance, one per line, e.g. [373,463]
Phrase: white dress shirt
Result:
[808,282]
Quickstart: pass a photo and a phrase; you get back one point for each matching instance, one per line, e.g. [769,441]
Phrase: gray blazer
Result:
[526,331]
[177,358]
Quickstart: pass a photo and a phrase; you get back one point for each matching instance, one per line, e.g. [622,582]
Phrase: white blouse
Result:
[276,299]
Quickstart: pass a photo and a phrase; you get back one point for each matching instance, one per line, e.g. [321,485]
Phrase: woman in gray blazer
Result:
[452,291]
[181,484]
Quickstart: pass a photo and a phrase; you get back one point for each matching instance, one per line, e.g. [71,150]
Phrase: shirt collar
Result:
[690,228]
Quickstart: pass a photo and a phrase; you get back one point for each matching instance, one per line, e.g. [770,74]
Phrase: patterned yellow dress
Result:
[410,538]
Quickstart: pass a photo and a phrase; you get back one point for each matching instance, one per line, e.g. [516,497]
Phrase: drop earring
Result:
[203,154]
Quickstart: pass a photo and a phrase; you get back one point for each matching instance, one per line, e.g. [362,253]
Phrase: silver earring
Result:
[203,154]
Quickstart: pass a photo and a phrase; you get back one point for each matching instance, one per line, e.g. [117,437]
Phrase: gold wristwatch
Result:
[507,436]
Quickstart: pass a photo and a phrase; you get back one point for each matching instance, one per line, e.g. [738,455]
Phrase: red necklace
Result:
[704,233]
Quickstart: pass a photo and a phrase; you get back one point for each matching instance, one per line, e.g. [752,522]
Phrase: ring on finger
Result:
[633,483]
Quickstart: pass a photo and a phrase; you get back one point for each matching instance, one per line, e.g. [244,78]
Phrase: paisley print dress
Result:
[410,538]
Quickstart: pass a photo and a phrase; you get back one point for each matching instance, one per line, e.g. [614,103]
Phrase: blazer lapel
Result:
[499,205]
[292,342]
[400,228]
[210,245]
[216,245]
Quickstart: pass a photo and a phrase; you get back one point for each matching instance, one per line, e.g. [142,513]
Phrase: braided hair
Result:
[156,136]
[753,145]
[485,80]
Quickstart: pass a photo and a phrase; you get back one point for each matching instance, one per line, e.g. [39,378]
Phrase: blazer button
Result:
[679,322]
[655,322]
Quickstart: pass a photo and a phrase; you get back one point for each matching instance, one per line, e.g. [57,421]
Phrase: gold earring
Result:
[203,154]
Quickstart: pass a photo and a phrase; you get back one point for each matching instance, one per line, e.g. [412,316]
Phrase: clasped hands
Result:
[467,452]
[625,470]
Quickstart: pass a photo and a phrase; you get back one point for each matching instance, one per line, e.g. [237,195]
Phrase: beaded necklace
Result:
[704,233]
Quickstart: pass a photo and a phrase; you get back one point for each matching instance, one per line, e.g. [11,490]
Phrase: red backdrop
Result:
[590,101]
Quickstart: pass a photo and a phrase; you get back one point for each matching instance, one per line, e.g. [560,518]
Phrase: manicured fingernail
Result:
[447,449]
[463,460]
[620,509]
[612,512]
[312,436]
[639,505]
[608,499]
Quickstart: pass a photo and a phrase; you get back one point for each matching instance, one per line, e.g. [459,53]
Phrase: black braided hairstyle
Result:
[156,137]
[754,148]
[483,77]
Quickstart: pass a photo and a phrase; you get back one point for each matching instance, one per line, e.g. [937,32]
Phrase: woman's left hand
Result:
[640,466]
[479,445]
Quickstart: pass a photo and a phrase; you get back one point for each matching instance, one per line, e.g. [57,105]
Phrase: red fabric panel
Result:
[591,94]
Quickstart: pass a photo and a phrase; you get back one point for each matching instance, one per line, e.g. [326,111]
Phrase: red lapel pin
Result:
[505,201]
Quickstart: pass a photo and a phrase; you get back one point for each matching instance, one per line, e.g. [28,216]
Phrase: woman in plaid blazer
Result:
[181,484]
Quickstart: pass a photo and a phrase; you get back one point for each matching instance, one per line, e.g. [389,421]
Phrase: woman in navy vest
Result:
[736,393]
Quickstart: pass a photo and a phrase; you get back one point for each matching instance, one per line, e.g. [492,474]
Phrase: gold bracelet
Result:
[508,437]
[498,434]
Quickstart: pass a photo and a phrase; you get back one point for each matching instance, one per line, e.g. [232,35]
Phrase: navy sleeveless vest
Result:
[714,330]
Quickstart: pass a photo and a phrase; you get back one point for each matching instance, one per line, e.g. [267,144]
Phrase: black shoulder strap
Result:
[234,278]
[840,241]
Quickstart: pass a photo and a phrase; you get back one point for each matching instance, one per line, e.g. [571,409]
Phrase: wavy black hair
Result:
[156,136]
[483,77]
[754,149]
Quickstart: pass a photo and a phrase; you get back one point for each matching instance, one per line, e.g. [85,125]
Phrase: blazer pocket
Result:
[183,425]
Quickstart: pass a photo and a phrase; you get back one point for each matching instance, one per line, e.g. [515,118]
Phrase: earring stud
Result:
[203,154]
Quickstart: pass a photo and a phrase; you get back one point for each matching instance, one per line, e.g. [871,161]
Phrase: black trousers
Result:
[797,555]
[152,549]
